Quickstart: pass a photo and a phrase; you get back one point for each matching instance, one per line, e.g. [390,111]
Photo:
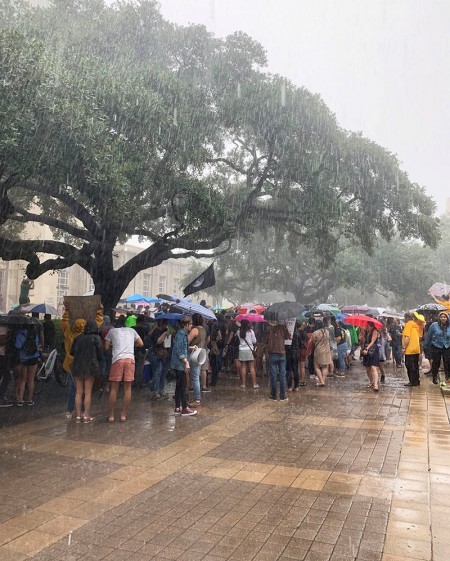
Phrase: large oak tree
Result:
[116,123]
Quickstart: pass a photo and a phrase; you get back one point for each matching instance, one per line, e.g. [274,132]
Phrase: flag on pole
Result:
[205,280]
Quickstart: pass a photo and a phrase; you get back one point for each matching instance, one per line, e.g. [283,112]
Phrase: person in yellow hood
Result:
[411,346]
[70,332]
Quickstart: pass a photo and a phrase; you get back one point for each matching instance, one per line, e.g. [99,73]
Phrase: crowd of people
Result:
[139,351]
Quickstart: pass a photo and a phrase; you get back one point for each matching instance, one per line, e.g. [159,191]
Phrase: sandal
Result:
[375,388]
[123,419]
[369,386]
[88,420]
[78,419]
[110,419]
[302,383]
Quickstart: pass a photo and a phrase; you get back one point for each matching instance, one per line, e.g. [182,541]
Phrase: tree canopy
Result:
[117,123]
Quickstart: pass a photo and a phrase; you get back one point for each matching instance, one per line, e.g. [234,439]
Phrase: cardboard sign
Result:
[84,307]
[290,324]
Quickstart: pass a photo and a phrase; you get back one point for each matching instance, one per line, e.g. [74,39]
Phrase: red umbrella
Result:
[254,318]
[362,321]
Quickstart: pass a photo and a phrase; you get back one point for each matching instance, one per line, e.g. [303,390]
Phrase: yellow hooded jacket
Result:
[70,334]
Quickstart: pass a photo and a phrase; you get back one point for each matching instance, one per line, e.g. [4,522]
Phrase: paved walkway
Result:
[336,474]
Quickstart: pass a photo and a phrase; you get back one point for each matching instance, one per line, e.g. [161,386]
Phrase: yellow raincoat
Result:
[70,334]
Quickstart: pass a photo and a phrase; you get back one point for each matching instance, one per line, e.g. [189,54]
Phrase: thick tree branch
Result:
[77,209]
[26,216]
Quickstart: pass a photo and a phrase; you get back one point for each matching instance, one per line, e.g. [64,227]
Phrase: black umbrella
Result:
[281,311]
[432,307]
[17,319]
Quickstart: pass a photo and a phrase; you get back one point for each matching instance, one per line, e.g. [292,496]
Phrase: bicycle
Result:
[50,365]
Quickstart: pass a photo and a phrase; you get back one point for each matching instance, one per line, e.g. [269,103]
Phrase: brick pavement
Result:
[335,474]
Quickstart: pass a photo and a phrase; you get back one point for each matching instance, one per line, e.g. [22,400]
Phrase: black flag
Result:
[205,280]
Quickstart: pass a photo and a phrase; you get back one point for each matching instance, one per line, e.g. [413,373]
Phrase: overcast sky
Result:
[381,65]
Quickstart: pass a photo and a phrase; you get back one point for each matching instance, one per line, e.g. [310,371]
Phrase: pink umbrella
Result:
[254,318]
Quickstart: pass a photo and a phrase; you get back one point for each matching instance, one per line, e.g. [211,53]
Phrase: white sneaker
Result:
[69,415]
[255,386]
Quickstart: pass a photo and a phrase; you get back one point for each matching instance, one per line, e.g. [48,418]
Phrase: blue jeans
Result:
[277,364]
[159,372]
[195,380]
[342,353]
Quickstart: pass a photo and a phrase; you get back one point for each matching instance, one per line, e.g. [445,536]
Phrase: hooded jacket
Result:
[87,352]
[70,333]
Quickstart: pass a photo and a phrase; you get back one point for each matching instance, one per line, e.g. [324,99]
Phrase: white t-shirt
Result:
[3,331]
[251,340]
[122,340]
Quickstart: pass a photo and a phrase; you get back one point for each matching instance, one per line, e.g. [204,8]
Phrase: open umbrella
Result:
[431,307]
[355,309]
[135,298]
[168,315]
[329,308]
[40,309]
[359,320]
[12,319]
[254,318]
[281,311]
[188,307]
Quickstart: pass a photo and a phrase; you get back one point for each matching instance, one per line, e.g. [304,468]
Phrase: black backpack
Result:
[30,346]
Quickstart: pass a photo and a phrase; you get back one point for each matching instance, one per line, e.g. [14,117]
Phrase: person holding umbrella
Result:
[437,343]
[444,302]
[371,355]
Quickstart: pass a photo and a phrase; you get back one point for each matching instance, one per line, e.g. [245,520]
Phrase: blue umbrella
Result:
[40,309]
[140,298]
[188,307]
[168,315]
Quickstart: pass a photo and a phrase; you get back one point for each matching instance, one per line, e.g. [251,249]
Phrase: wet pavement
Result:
[338,473]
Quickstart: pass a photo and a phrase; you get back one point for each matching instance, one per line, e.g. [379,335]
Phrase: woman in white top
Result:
[247,345]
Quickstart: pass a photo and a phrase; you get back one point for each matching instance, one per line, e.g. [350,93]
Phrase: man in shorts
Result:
[122,340]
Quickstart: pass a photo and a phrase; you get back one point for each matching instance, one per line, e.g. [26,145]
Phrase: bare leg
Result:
[369,374]
[251,366]
[113,389]
[375,377]
[79,384]
[318,372]
[31,371]
[302,366]
[21,383]
[243,372]
[88,383]
[126,400]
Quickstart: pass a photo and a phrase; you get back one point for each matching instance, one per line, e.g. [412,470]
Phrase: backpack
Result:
[30,346]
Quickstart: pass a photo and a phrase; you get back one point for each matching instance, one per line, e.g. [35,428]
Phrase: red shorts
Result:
[122,369]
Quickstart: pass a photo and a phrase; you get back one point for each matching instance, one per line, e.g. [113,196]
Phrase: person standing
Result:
[278,334]
[411,346]
[70,331]
[437,343]
[122,340]
[180,365]
[5,372]
[27,343]
[292,361]
[197,337]
[321,351]
[159,358]
[87,355]
[247,351]
[396,342]
[371,354]
[49,332]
